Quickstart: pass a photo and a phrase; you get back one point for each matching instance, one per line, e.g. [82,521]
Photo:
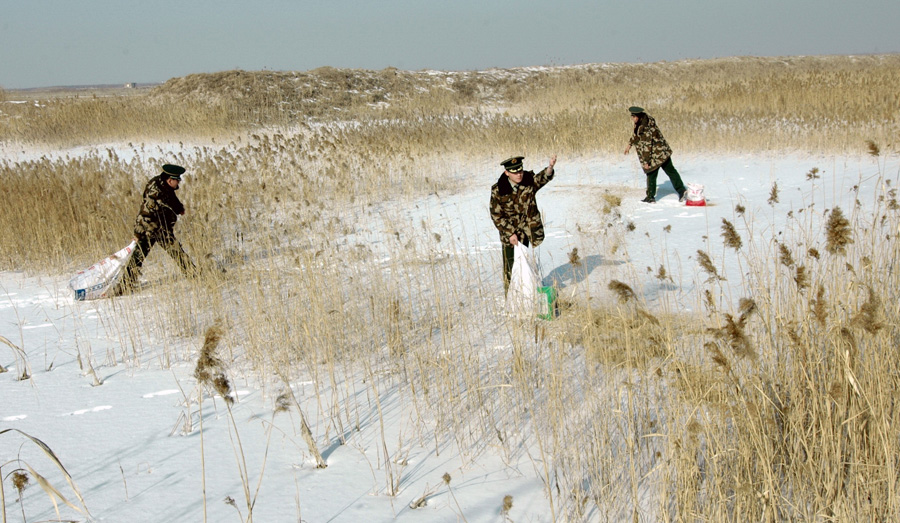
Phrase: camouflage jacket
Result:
[159,209]
[652,149]
[514,210]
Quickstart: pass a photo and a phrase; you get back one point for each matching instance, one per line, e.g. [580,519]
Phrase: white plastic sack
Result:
[522,296]
[98,279]
[695,194]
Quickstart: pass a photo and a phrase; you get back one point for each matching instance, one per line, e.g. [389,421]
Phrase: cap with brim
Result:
[635,109]
[173,171]
[513,164]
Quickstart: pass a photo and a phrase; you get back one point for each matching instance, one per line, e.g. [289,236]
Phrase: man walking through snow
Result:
[514,208]
[653,152]
[155,223]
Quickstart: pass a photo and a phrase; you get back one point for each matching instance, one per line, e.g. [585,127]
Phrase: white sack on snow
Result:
[98,279]
[695,192]
[522,296]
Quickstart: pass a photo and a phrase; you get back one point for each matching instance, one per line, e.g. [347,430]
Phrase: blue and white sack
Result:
[98,279]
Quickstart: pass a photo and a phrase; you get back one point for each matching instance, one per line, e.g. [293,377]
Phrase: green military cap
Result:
[635,109]
[513,164]
[173,171]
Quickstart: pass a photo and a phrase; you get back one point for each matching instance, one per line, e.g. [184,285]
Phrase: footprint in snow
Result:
[161,393]
[85,411]
[41,326]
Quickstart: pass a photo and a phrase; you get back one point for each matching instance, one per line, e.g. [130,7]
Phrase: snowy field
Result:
[119,430]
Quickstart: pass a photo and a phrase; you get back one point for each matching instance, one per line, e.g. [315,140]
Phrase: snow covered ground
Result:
[118,429]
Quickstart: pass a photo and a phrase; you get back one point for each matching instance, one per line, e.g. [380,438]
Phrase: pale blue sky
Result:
[84,42]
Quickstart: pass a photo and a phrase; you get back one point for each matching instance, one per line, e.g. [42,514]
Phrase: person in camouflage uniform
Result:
[514,208]
[653,152]
[155,223]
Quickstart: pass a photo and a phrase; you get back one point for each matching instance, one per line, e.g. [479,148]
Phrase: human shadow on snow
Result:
[568,274]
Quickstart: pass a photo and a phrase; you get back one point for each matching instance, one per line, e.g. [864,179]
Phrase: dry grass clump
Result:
[870,313]
[783,433]
[60,209]
[611,202]
[274,97]
[775,419]
[734,332]
[775,408]
[790,388]
[72,121]
[210,369]
[628,335]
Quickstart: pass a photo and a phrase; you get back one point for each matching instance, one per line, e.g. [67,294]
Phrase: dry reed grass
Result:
[803,103]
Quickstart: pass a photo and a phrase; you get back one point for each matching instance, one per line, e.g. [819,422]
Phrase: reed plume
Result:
[737,337]
[869,313]
[623,291]
[718,356]
[574,258]
[734,330]
[707,265]
[661,273]
[837,232]
[746,307]
[872,148]
[784,255]
[506,506]
[20,481]
[773,194]
[210,370]
[732,239]
[801,278]
[820,306]
[709,300]
[283,402]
